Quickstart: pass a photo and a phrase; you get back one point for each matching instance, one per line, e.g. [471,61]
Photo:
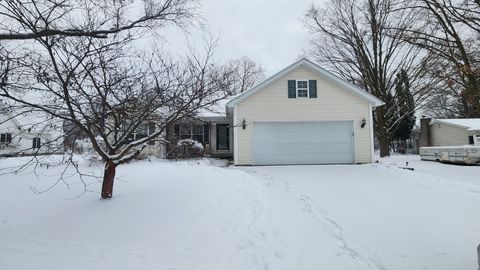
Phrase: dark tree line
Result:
[405,114]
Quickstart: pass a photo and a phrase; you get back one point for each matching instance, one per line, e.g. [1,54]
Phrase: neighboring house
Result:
[303,115]
[449,132]
[27,133]
[77,141]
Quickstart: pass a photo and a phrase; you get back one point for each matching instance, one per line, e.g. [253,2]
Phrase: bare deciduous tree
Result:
[79,65]
[31,19]
[247,73]
[449,29]
[357,40]
[111,96]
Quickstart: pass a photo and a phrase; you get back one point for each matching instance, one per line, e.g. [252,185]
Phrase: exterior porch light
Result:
[244,124]
[363,123]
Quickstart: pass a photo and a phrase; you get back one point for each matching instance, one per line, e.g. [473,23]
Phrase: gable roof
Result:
[471,124]
[319,70]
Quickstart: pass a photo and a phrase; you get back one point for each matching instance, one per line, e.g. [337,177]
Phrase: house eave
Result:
[440,121]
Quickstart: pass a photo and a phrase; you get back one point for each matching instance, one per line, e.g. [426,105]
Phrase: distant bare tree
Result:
[247,73]
[450,30]
[362,42]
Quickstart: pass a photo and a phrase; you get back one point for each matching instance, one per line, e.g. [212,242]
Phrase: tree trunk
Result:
[108,177]
[471,98]
[382,132]
[384,146]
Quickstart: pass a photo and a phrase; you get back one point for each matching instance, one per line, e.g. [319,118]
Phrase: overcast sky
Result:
[270,32]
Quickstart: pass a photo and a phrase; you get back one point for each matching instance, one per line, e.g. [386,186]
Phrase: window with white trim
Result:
[302,89]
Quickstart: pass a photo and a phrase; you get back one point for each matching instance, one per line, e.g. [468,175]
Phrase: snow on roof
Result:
[216,110]
[472,124]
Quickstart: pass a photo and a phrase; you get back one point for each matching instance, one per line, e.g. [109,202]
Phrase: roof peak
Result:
[316,68]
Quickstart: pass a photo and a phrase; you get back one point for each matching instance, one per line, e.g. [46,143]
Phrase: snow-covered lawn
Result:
[199,215]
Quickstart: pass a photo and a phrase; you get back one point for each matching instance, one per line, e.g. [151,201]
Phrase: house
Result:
[302,115]
[26,133]
[449,132]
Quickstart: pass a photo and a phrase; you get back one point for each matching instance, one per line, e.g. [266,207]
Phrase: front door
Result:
[223,137]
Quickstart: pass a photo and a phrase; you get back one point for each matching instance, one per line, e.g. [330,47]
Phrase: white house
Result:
[27,133]
[452,132]
[303,115]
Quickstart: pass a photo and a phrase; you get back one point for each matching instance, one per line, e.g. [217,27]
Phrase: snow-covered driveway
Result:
[195,215]
[376,216]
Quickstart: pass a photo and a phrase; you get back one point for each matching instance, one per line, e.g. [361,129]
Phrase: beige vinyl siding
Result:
[272,104]
[447,135]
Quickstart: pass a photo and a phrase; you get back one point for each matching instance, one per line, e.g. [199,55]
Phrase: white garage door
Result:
[282,143]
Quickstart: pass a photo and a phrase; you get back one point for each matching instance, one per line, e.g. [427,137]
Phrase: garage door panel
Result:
[278,143]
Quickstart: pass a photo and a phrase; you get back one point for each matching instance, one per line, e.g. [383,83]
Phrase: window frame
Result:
[471,140]
[307,88]
[198,132]
[36,143]
[142,131]
[151,127]
[190,127]
[185,131]
[7,138]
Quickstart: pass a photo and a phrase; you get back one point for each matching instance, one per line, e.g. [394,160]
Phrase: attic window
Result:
[302,89]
